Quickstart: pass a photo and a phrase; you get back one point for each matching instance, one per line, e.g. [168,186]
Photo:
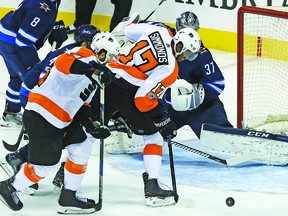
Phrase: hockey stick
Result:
[173,177]
[153,11]
[53,46]
[14,147]
[101,153]
[229,162]
[3,165]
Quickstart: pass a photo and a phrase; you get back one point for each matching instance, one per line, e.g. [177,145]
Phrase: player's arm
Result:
[212,77]
[134,31]
[93,127]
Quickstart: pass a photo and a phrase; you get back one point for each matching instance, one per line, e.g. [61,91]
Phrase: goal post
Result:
[262,68]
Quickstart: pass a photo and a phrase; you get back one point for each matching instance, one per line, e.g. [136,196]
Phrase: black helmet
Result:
[85,33]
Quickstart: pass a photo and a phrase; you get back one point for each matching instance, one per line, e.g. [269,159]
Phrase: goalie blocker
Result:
[267,148]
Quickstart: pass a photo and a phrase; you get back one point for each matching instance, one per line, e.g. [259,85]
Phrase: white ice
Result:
[123,189]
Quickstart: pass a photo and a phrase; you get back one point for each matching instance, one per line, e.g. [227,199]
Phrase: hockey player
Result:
[22,33]
[82,37]
[206,79]
[141,74]
[53,105]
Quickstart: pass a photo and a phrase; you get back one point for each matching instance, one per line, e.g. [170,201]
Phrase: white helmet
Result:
[105,42]
[186,96]
[190,41]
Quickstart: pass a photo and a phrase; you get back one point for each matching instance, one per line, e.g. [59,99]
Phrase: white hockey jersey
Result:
[148,63]
[60,94]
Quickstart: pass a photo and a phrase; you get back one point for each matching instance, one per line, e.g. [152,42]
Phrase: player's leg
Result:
[74,134]
[213,114]
[121,10]
[44,150]
[74,171]
[153,143]
[17,64]
[83,14]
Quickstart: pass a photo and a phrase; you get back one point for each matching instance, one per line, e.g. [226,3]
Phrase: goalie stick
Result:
[229,162]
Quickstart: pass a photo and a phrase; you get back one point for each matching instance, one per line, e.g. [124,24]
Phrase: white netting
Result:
[265,72]
[119,143]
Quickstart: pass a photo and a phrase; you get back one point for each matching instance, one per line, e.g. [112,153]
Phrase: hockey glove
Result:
[58,34]
[102,75]
[121,126]
[166,126]
[98,131]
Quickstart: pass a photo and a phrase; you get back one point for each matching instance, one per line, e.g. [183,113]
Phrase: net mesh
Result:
[265,72]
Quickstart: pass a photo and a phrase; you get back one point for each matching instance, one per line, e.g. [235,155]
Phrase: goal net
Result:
[262,66]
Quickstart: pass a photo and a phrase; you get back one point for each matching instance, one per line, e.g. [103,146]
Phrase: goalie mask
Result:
[186,96]
[187,19]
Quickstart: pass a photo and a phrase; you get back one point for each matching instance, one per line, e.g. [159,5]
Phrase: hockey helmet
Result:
[187,42]
[187,19]
[105,45]
[85,33]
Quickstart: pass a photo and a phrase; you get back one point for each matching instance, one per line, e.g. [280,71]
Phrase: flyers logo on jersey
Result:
[159,48]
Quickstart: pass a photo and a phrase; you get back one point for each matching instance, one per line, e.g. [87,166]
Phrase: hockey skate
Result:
[155,195]
[16,161]
[9,196]
[13,120]
[72,204]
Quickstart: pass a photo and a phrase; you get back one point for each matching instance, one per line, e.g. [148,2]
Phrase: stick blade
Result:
[9,147]
[98,206]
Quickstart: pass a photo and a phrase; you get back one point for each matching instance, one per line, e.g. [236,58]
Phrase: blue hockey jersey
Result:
[28,27]
[30,24]
[202,70]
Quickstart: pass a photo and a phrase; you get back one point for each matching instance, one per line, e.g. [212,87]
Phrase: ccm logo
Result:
[257,134]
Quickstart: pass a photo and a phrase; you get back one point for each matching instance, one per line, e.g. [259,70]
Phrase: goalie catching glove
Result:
[186,96]
[118,31]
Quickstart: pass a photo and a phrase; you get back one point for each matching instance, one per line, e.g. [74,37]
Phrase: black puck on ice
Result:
[230,201]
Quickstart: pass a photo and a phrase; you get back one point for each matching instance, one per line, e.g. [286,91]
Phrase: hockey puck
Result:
[230,201]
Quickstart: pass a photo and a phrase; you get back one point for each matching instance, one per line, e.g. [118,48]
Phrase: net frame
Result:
[261,42]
